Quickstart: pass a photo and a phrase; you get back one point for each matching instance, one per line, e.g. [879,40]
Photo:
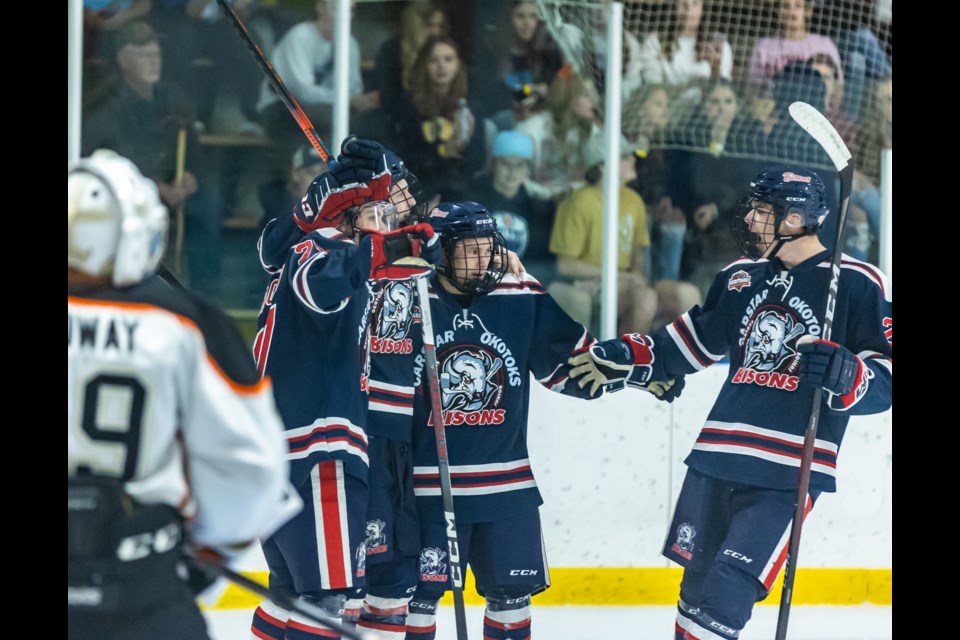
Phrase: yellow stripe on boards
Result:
[652,586]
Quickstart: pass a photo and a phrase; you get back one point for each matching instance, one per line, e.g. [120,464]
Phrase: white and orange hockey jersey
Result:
[163,394]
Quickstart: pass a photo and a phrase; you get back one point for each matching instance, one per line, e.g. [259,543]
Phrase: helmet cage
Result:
[464,276]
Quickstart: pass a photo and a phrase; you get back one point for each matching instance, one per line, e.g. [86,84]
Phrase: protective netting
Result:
[718,76]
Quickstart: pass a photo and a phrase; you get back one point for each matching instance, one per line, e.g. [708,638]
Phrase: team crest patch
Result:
[684,543]
[376,537]
[433,567]
[738,281]
[789,176]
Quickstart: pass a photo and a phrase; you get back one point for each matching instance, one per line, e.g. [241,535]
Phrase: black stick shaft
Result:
[291,604]
[433,378]
[288,100]
[809,439]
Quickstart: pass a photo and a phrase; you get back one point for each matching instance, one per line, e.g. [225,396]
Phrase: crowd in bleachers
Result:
[483,103]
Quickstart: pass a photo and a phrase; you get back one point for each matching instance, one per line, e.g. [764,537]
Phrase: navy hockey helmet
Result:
[406,196]
[474,252]
[787,190]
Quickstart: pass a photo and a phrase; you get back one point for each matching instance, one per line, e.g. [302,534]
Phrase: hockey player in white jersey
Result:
[172,437]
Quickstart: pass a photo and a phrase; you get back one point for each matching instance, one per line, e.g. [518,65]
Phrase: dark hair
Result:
[799,81]
[136,33]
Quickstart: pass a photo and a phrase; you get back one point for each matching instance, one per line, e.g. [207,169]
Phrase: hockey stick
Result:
[433,378]
[288,100]
[305,609]
[814,123]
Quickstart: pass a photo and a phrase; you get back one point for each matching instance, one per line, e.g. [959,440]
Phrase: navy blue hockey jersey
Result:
[756,312]
[394,325]
[311,342]
[395,340]
[485,355]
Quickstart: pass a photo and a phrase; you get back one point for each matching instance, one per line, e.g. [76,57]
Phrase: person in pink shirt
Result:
[795,42]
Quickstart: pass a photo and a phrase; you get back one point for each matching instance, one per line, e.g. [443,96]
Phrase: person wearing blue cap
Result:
[522,217]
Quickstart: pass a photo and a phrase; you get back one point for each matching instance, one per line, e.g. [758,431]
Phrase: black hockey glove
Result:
[366,154]
[835,368]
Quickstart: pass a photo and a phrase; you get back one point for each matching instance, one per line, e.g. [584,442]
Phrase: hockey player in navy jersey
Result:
[732,521]
[342,241]
[171,434]
[492,331]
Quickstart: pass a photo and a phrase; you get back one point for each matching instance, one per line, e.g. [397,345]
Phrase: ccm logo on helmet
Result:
[790,176]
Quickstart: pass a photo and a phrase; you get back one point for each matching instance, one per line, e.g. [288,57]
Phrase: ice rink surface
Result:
[865,622]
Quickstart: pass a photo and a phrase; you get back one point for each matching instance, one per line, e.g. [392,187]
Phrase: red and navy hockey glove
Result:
[835,368]
[614,362]
[346,185]
[429,242]
[392,256]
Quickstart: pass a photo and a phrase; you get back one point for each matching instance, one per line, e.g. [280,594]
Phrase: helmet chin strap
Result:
[782,240]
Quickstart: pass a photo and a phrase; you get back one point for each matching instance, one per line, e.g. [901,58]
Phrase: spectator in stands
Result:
[419,21]
[228,105]
[278,197]
[861,52]
[141,122]
[524,219]
[303,58]
[577,241]
[789,143]
[436,132]
[874,135]
[683,51]
[707,177]
[645,123]
[561,133]
[794,42]
[512,73]
[833,100]
[102,18]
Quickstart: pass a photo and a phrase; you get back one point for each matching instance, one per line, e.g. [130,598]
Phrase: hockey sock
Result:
[386,617]
[351,611]
[422,619]
[269,621]
[300,627]
[685,613]
[507,618]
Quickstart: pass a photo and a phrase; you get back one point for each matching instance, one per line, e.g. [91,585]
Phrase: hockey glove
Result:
[367,154]
[614,362]
[392,256]
[429,242]
[667,391]
[833,367]
[332,192]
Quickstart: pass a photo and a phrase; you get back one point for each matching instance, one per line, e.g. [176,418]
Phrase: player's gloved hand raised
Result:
[366,154]
[332,192]
[831,366]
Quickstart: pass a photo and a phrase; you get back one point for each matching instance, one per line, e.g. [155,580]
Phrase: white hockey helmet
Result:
[116,223]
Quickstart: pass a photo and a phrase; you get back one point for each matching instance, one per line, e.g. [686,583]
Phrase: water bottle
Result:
[463,121]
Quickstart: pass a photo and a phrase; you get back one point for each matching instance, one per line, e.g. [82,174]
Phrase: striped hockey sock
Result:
[422,620]
[269,622]
[386,617]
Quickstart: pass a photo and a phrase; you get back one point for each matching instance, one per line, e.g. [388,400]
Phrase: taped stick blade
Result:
[817,125]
